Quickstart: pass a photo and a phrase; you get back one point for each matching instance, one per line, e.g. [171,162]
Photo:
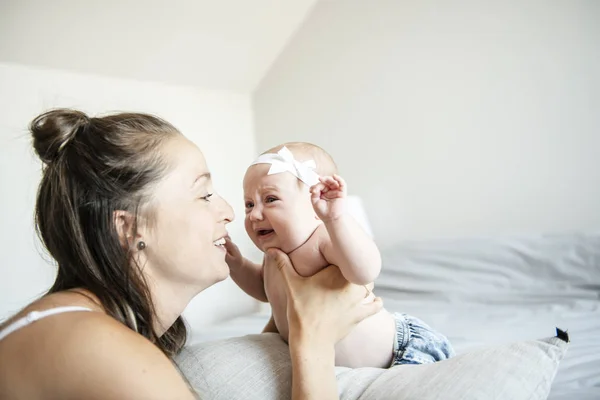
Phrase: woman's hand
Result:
[321,310]
[325,306]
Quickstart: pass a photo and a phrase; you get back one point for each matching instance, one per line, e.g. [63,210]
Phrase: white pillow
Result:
[469,269]
[258,367]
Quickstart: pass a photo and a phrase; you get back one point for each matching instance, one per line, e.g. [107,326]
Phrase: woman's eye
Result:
[270,199]
[249,205]
[207,197]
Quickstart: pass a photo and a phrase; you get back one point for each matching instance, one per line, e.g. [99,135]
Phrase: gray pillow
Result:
[258,367]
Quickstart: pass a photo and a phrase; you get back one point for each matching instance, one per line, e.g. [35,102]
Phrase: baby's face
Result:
[279,212]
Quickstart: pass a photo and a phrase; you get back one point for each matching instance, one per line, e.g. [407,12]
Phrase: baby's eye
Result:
[270,199]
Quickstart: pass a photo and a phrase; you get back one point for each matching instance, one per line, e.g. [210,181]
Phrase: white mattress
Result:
[485,291]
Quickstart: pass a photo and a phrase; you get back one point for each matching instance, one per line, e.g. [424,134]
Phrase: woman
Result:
[127,209]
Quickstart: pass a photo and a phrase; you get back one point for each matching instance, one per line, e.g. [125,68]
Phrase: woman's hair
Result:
[94,167]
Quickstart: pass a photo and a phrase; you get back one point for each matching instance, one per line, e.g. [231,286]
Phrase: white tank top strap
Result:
[36,315]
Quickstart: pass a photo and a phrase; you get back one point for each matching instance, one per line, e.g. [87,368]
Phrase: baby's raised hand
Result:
[328,197]
[234,257]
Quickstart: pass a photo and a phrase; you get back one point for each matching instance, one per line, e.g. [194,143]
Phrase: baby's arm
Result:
[270,327]
[348,245]
[246,274]
[352,250]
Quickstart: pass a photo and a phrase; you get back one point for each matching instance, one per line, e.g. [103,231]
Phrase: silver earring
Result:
[141,245]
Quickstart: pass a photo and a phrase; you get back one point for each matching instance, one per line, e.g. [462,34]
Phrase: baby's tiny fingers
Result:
[317,188]
[340,181]
[330,182]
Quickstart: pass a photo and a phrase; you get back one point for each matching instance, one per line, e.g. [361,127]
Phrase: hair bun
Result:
[53,130]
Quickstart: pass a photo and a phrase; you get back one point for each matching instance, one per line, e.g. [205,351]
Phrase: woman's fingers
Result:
[341,304]
[280,260]
[277,258]
[325,304]
[368,309]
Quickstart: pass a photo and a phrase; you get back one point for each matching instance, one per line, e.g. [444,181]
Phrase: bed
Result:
[488,291]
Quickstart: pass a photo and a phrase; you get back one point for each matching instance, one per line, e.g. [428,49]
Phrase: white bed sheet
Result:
[485,292]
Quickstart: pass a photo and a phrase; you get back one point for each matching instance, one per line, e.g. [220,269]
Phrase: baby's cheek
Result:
[296,233]
[247,224]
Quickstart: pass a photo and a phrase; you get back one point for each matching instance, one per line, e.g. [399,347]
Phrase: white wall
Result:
[219,122]
[448,118]
[224,44]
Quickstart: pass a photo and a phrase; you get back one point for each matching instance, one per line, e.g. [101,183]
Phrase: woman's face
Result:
[188,222]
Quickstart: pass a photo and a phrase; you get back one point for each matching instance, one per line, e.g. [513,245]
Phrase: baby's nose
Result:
[256,214]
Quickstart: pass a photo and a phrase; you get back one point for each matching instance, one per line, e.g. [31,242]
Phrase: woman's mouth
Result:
[220,243]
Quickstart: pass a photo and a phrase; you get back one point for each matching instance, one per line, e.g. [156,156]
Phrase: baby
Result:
[295,201]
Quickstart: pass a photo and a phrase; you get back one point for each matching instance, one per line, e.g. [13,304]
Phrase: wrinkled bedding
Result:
[485,291]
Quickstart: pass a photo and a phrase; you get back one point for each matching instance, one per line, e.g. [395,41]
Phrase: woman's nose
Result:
[226,211]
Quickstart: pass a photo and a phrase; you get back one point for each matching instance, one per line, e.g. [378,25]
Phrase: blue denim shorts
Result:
[417,343]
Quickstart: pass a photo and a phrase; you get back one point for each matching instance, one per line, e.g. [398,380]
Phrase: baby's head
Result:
[279,212]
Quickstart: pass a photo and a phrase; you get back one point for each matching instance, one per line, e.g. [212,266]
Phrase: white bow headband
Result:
[284,160]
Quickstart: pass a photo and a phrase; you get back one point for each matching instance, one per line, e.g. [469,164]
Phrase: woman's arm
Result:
[321,310]
[124,365]
[89,355]
[313,373]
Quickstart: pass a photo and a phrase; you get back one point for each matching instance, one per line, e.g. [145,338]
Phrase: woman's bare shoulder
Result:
[84,354]
[69,298]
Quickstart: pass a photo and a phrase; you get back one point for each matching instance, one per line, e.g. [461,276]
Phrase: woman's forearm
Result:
[313,366]
[321,310]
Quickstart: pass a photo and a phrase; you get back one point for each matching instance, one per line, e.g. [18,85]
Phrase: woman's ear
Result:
[124,222]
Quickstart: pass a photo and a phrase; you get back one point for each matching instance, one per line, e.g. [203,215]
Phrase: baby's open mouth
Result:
[264,232]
